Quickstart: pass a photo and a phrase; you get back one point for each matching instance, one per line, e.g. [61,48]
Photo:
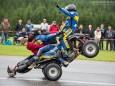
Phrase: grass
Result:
[108,56]
[14,50]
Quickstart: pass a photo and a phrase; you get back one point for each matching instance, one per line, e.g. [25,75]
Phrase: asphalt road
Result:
[78,73]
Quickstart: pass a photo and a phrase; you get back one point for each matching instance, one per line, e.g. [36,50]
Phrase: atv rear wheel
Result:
[52,71]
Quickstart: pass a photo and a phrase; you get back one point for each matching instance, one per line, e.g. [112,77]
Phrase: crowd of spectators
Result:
[101,35]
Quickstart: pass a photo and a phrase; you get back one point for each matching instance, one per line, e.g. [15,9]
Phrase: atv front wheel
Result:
[90,49]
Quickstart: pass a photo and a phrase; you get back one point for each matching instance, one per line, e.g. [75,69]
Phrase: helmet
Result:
[70,7]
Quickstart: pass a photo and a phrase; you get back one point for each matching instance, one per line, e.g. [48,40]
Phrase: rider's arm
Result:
[65,11]
[50,36]
[39,45]
[45,38]
[33,46]
[73,15]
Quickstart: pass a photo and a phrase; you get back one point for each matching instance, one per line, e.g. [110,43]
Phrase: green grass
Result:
[102,56]
[14,50]
[22,51]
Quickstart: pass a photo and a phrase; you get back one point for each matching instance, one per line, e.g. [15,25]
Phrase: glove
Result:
[57,5]
[60,32]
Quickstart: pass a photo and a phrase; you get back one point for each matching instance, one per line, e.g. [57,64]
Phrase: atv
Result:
[52,67]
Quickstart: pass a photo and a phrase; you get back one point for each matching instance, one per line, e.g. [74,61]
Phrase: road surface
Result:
[78,73]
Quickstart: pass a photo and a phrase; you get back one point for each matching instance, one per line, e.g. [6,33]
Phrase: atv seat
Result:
[76,36]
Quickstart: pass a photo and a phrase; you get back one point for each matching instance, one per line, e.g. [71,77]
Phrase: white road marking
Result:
[3,78]
[64,81]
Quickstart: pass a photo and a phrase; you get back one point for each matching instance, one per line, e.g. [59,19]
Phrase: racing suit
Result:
[68,28]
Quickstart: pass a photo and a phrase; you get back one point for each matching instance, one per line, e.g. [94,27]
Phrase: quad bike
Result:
[51,67]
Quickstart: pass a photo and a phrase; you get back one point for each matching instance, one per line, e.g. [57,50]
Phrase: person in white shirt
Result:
[44,26]
[97,34]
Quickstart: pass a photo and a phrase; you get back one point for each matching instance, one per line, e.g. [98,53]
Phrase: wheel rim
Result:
[53,72]
[90,49]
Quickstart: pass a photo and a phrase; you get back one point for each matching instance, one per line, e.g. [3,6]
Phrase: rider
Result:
[69,27]
[30,46]
[38,50]
[50,47]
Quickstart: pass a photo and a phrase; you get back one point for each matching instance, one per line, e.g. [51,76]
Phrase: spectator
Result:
[5,26]
[17,31]
[28,27]
[114,41]
[97,34]
[109,37]
[44,26]
[23,37]
[101,43]
[54,27]
[18,27]
[90,31]
[80,29]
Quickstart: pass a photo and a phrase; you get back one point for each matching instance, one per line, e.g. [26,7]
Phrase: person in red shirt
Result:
[32,47]
[54,28]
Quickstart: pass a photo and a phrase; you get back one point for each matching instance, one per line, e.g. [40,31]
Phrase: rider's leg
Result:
[45,49]
[64,47]
[41,51]
[64,42]
[21,65]
[65,63]
[58,56]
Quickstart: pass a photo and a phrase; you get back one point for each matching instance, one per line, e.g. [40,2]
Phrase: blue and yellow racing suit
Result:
[45,38]
[68,28]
